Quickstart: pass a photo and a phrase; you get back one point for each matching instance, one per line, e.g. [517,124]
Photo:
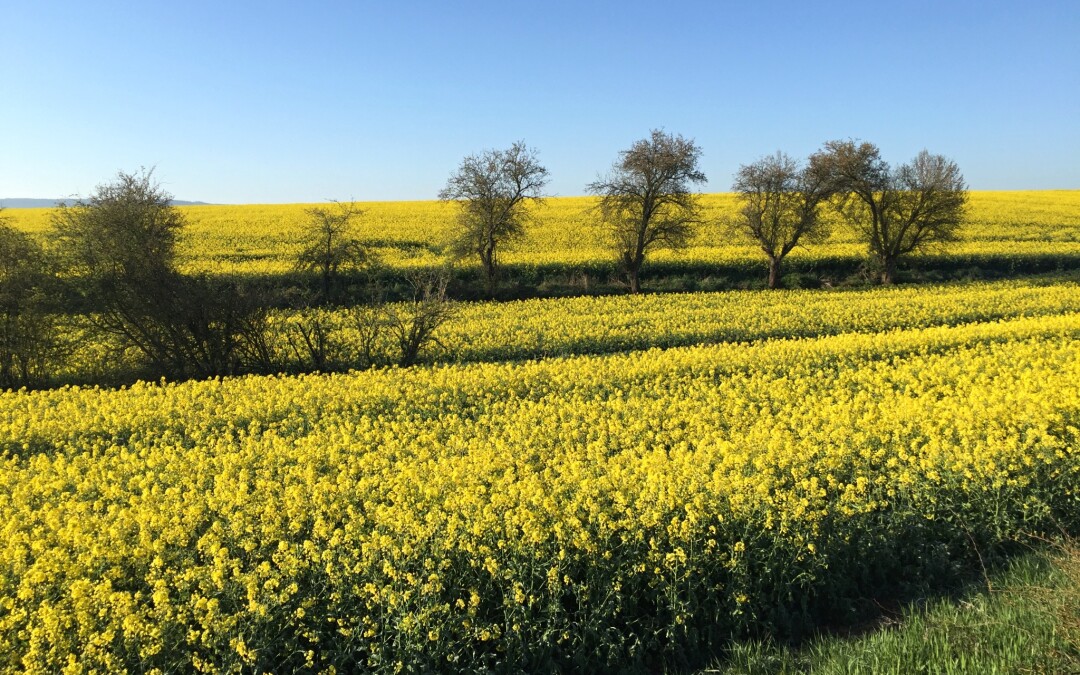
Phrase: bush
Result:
[120,251]
[28,336]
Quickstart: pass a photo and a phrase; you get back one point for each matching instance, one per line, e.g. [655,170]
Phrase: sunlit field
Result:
[668,359]
[540,328]
[611,483]
[256,240]
[581,512]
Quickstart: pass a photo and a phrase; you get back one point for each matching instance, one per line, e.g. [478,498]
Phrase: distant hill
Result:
[22,203]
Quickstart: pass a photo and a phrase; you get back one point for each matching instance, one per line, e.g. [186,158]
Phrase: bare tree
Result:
[329,245]
[309,334]
[413,323]
[493,190]
[645,201]
[780,207]
[896,211]
[369,326]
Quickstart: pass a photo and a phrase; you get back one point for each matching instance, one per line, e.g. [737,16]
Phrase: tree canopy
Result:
[492,190]
[645,200]
[896,211]
[780,207]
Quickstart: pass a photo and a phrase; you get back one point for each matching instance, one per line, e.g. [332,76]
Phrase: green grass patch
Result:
[1022,619]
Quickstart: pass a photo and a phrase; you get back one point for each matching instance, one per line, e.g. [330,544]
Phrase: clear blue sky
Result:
[243,102]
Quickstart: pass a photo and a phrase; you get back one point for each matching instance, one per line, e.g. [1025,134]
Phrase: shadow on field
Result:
[520,282]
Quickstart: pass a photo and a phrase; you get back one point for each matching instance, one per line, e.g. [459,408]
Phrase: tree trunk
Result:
[774,272]
[634,277]
[326,285]
[487,257]
[888,271]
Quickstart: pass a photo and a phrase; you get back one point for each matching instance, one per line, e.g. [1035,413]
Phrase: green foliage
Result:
[124,234]
[1023,619]
[28,331]
[120,249]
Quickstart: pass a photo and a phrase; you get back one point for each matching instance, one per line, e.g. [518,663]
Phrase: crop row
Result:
[597,325]
[504,331]
[574,512]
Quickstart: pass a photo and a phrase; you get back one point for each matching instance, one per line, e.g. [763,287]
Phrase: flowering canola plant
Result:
[574,512]
[502,331]
[603,324]
[265,239]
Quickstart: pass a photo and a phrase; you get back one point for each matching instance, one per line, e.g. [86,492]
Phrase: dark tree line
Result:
[116,252]
[117,248]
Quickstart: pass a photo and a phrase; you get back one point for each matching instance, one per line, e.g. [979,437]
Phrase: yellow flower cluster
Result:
[603,324]
[501,331]
[264,239]
[571,512]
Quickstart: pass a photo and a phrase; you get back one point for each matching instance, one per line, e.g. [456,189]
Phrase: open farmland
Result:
[501,339]
[579,512]
[255,240]
[588,483]
[540,328]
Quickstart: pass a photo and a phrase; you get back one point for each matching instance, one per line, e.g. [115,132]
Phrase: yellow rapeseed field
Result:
[573,512]
[572,484]
[262,239]
[538,328]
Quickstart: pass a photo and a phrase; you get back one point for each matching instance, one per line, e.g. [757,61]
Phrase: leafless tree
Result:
[369,324]
[493,190]
[896,211]
[780,207]
[309,334]
[645,201]
[414,323]
[329,244]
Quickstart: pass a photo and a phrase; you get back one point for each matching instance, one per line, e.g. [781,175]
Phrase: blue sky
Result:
[245,102]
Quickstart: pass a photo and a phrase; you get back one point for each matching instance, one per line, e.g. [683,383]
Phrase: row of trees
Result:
[895,211]
[646,201]
[116,250]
